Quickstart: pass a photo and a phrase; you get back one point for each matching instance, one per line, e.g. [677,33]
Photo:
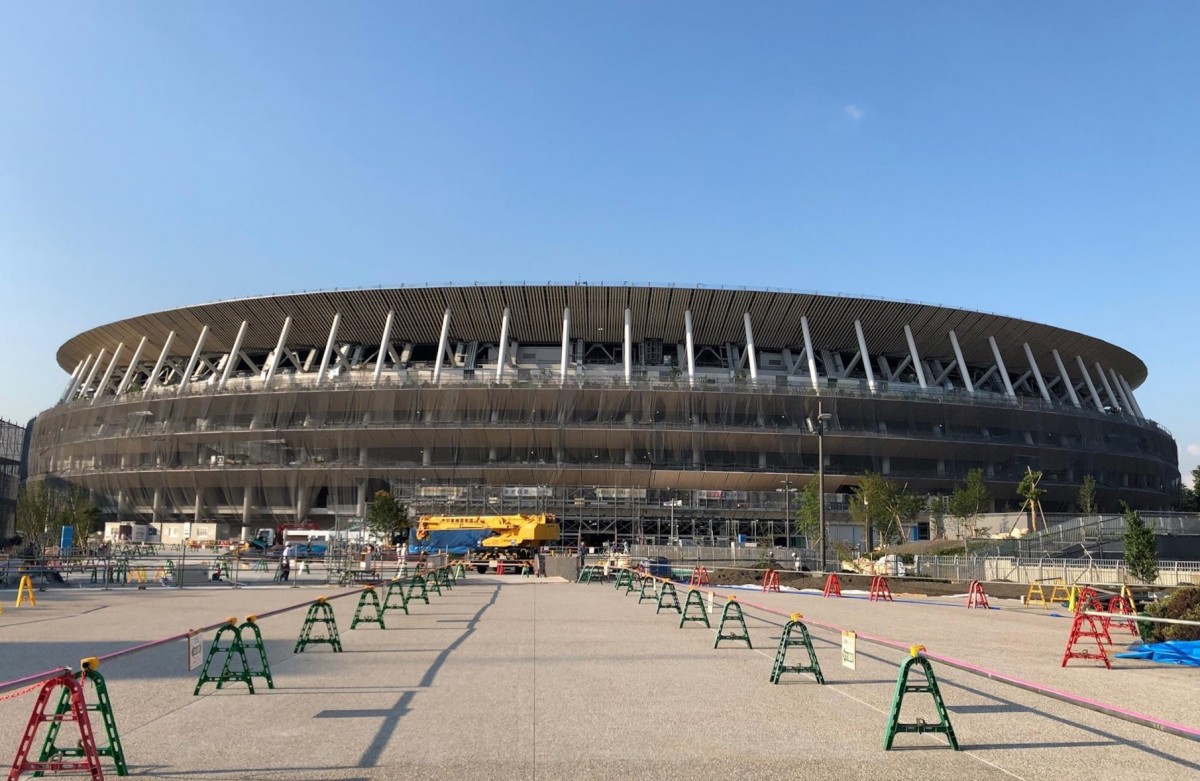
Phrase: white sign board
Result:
[195,652]
[848,641]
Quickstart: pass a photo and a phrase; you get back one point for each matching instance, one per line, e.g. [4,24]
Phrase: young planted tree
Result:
[1141,549]
[885,507]
[79,511]
[1028,488]
[968,502]
[38,516]
[387,517]
[808,514]
[1086,499]
[937,516]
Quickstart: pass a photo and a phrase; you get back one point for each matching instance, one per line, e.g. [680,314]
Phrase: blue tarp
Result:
[1185,652]
[458,542]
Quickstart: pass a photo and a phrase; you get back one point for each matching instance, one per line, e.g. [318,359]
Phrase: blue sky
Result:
[1036,160]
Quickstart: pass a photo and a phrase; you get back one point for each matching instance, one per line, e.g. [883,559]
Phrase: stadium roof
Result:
[597,314]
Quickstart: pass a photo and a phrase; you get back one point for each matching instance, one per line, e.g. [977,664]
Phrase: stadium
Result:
[642,413]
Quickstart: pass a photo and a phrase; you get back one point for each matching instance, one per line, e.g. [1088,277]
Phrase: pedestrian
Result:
[541,564]
[285,569]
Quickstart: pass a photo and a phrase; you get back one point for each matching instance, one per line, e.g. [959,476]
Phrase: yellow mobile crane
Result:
[484,539]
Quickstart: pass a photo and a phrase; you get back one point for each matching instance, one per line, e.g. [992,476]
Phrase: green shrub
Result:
[1184,604]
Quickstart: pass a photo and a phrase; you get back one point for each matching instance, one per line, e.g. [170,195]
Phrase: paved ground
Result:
[513,678]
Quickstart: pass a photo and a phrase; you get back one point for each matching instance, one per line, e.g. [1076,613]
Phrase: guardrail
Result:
[1020,570]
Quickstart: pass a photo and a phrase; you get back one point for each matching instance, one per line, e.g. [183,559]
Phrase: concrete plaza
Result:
[506,677]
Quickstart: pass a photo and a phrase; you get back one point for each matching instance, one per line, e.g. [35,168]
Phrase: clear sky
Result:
[1037,160]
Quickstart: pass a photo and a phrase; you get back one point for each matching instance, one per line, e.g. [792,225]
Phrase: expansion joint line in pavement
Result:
[391,716]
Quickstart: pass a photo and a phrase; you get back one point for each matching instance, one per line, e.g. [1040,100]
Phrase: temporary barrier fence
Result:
[1123,714]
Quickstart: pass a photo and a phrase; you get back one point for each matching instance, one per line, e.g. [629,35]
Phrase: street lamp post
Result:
[787,511]
[822,417]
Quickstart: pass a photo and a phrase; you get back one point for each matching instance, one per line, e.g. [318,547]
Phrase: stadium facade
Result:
[12,439]
[637,412]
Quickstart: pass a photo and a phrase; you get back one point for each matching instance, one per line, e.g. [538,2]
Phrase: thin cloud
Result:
[1193,449]
[852,112]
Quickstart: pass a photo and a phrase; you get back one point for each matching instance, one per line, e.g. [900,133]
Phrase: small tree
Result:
[884,507]
[1141,549]
[808,515]
[1086,499]
[79,511]
[937,516]
[1028,489]
[968,502]
[387,517]
[38,513]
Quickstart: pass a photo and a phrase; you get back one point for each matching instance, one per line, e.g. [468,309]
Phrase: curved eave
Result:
[597,314]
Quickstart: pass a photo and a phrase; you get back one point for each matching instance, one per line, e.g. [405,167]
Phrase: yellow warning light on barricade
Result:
[797,616]
[320,600]
[251,619]
[732,597]
[232,620]
[90,663]
[915,650]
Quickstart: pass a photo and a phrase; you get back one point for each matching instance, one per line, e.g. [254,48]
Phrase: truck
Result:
[485,541]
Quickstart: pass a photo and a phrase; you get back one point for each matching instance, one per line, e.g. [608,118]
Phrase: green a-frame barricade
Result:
[233,649]
[667,590]
[648,591]
[787,640]
[694,600]
[395,589]
[624,578]
[929,687]
[368,601]
[413,583]
[88,672]
[320,612]
[732,612]
[253,645]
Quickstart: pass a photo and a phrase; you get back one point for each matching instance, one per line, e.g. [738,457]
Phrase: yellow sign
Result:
[848,641]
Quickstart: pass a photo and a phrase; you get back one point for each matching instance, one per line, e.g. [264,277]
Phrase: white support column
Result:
[1087,378]
[74,378]
[963,370]
[808,350]
[127,378]
[233,355]
[691,347]
[566,346]
[442,342]
[276,356]
[751,353]
[503,356]
[191,364]
[1112,397]
[158,365]
[83,370]
[1066,378]
[83,389]
[1125,405]
[247,504]
[385,344]
[1137,408]
[1037,372]
[337,318]
[866,358]
[1001,368]
[628,347]
[916,359]
[100,386]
